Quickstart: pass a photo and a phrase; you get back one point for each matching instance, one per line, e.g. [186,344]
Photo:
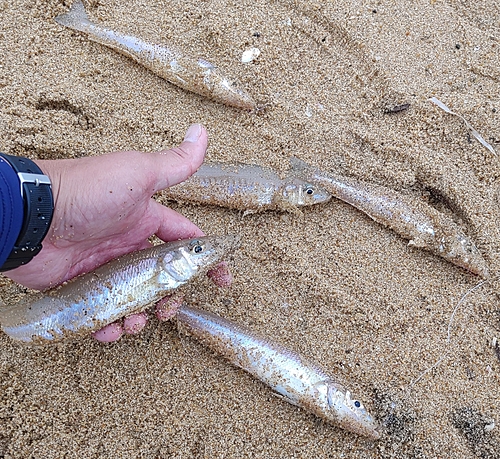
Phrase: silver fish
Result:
[246,187]
[297,380]
[423,225]
[192,74]
[121,287]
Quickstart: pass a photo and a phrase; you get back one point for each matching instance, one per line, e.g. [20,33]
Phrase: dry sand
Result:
[330,283]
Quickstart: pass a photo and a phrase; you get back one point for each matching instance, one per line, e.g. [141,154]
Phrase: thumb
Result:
[177,164]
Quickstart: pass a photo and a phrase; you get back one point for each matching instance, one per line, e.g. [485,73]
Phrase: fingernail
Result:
[193,133]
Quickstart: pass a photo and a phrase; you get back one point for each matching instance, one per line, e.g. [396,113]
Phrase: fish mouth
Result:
[371,428]
[368,430]
[320,198]
[375,433]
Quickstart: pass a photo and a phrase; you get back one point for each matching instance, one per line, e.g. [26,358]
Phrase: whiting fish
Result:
[121,287]
[297,380]
[246,187]
[195,75]
[423,225]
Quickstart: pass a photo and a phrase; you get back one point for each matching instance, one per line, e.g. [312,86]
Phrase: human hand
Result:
[103,209]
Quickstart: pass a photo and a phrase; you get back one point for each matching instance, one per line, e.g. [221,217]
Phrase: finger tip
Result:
[196,142]
[168,307]
[135,323]
[221,275]
[108,334]
[175,165]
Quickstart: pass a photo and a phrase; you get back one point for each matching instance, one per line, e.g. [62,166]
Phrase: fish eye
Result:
[196,247]
[309,189]
[357,404]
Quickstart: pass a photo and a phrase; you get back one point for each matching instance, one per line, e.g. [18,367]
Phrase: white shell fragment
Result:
[489,427]
[476,134]
[249,55]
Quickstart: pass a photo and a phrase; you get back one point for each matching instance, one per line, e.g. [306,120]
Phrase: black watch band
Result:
[38,209]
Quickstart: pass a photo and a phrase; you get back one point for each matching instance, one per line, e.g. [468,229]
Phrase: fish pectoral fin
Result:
[206,64]
[286,206]
[322,387]
[248,212]
[286,399]
[416,242]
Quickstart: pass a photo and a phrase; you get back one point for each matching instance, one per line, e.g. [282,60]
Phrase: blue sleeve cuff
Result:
[11,209]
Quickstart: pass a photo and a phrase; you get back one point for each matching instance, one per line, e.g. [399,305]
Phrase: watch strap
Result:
[36,191]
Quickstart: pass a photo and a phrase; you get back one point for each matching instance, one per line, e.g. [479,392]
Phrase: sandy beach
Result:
[330,282]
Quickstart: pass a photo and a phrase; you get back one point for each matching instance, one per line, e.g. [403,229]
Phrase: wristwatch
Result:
[36,192]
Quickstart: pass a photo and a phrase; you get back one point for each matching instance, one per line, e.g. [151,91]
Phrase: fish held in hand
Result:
[246,187]
[126,285]
[298,381]
[192,74]
[415,220]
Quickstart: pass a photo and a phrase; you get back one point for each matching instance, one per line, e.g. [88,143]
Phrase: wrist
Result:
[36,193]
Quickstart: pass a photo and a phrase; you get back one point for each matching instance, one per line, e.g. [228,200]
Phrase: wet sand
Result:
[329,283]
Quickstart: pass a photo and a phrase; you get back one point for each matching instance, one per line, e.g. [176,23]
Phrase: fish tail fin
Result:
[298,166]
[76,18]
